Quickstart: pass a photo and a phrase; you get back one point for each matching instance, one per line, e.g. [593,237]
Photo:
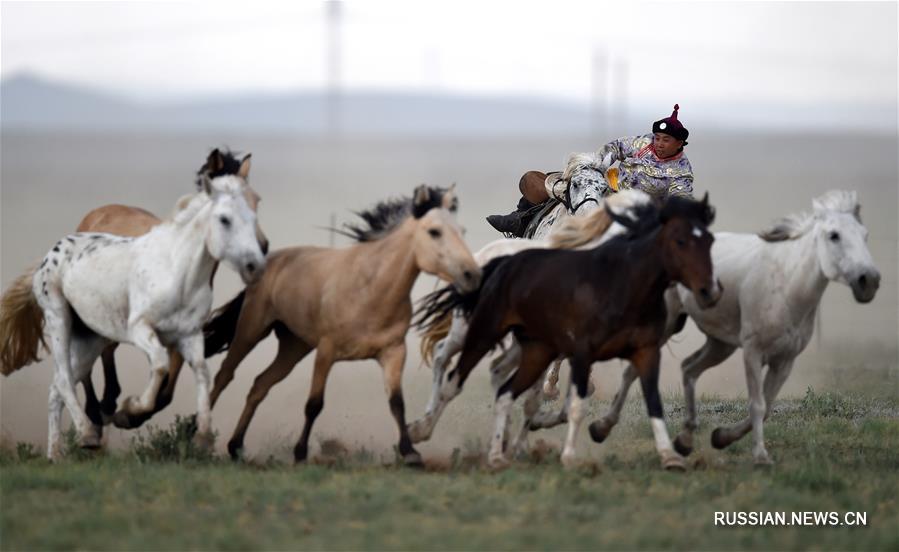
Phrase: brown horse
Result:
[592,305]
[349,304]
[124,220]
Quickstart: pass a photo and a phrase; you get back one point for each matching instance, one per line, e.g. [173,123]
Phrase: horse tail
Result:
[437,330]
[222,324]
[21,325]
[439,305]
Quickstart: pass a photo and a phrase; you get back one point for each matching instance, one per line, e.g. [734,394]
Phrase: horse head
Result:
[841,242]
[219,163]
[687,245]
[437,243]
[231,232]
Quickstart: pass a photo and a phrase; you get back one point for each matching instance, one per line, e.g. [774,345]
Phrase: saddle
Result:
[533,187]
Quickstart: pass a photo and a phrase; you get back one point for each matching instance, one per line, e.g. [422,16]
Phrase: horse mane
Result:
[230,165]
[186,207]
[385,216]
[577,231]
[797,225]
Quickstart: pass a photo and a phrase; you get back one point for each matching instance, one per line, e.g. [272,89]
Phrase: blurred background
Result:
[343,104]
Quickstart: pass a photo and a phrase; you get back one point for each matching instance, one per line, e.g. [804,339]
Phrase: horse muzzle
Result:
[469,280]
[865,286]
[708,296]
[251,270]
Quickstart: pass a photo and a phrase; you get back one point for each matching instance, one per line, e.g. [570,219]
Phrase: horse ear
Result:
[244,170]
[215,162]
[421,196]
[450,201]
[818,207]
[708,211]
[622,220]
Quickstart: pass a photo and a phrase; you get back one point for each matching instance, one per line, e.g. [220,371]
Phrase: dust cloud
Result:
[49,181]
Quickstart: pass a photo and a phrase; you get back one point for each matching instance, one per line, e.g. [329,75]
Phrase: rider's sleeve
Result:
[617,150]
[682,186]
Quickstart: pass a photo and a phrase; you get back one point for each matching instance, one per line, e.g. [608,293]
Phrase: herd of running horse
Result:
[614,281]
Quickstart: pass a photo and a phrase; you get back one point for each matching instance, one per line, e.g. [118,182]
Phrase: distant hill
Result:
[29,102]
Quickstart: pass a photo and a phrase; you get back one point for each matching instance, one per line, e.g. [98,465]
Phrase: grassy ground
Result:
[834,453]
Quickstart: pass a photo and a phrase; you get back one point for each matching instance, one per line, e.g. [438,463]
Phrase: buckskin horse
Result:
[349,303]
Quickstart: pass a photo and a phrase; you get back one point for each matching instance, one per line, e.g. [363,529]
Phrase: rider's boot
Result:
[515,222]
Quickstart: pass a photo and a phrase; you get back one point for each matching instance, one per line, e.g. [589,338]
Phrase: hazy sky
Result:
[789,54]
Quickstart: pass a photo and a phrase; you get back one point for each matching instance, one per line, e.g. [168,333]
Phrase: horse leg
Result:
[192,349]
[580,380]
[646,363]
[324,359]
[532,400]
[535,357]
[502,366]
[253,324]
[145,338]
[601,428]
[724,436]
[446,348]
[291,350]
[482,335]
[778,372]
[111,387]
[713,353]
[84,350]
[58,328]
[166,392]
[92,406]
[550,384]
[392,360]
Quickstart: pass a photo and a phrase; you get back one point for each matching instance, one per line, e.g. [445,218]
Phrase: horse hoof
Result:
[234,450]
[413,460]
[683,445]
[204,440]
[718,439]
[497,462]
[674,462]
[90,440]
[599,430]
[299,454]
[417,432]
[122,420]
[762,461]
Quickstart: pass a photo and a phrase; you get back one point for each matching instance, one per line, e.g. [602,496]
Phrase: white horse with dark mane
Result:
[773,283]
[152,291]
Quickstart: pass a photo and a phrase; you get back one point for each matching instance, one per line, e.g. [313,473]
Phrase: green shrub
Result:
[174,444]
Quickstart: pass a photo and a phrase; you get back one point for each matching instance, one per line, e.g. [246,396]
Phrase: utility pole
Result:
[334,13]
[598,92]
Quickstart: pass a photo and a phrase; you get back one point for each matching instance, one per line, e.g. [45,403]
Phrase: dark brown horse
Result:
[591,305]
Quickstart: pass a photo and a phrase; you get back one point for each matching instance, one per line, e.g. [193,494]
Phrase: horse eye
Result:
[680,242]
[834,237]
[435,233]
[226,222]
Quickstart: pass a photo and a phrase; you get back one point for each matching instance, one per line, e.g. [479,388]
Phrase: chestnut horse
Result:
[125,220]
[563,302]
[350,304]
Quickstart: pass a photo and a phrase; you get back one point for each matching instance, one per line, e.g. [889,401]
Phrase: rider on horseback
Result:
[654,163]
